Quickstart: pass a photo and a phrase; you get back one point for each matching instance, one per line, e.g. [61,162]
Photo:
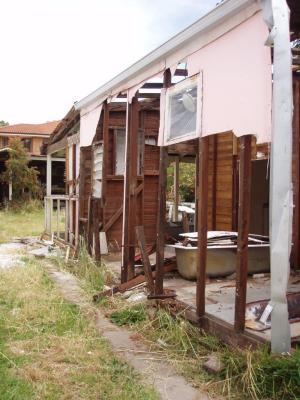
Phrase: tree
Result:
[187,176]
[3,123]
[24,179]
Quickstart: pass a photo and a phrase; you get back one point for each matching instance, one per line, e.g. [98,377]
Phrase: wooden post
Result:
[130,195]
[176,189]
[66,220]
[146,262]
[161,212]
[90,225]
[202,224]
[58,217]
[82,178]
[96,225]
[243,232]
[49,177]
[105,167]
[185,222]
[214,182]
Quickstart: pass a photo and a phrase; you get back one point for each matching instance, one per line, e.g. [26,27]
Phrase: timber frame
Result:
[131,207]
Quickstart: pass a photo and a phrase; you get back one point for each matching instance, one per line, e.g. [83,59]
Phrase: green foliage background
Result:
[25,184]
[187,176]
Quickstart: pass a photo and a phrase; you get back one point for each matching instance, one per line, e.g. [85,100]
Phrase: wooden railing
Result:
[61,216]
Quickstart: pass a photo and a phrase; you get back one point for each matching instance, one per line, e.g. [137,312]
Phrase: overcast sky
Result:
[54,52]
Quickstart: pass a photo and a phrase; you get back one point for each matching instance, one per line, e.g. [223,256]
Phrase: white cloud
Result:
[54,52]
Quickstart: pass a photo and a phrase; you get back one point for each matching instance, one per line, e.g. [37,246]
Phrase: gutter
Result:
[221,12]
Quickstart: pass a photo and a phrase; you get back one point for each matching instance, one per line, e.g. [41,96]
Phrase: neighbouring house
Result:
[34,137]
[220,95]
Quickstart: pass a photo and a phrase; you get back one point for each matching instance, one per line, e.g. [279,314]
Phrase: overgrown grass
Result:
[26,220]
[48,350]
[92,275]
[247,374]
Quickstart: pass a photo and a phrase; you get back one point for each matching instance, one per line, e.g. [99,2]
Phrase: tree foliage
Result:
[24,179]
[3,123]
[187,176]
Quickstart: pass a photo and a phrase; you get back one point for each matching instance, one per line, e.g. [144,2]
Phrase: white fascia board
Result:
[221,12]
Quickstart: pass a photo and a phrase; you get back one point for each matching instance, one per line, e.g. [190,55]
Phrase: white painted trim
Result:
[214,18]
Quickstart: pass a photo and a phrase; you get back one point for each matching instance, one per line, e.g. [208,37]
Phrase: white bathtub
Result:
[221,259]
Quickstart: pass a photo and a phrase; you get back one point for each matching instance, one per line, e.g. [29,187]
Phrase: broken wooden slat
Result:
[171,266]
[146,262]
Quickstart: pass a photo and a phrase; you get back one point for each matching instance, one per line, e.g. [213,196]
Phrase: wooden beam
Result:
[130,198]
[49,176]
[202,224]
[176,189]
[161,212]
[146,262]
[105,168]
[243,232]
[214,181]
[235,192]
[61,144]
[82,177]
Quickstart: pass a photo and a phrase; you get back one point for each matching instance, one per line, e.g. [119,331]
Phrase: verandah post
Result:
[130,195]
[243,232]
[202,205]
[161,212]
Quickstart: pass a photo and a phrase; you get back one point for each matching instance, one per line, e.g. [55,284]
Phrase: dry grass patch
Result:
[48,350]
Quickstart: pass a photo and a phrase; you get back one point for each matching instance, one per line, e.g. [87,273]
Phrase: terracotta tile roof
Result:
[37,129]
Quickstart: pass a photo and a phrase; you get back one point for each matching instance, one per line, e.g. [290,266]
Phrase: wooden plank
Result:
[146,262]
[113,219]
[137,280]
[202,224]
[161,212]
[243,232]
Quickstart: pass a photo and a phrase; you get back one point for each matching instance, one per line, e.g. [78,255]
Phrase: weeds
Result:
[248,374]
[92,275]
[129,316]
[264,375]
[49,350]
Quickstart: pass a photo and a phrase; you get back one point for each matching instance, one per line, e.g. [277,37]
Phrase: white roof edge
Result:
[208,21]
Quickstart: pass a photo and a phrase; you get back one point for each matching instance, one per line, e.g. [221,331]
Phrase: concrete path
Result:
[156,370]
